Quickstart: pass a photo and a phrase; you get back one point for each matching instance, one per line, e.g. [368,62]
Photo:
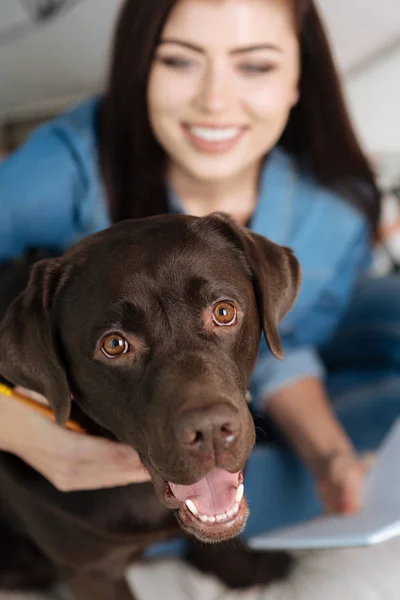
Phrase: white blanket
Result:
[354,574]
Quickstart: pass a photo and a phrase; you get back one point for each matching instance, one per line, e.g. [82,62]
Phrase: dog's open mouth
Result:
[213,509]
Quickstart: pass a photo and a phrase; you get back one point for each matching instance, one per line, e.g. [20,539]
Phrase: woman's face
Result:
[222,84]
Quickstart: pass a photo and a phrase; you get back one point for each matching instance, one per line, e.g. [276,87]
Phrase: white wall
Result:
[52,63]
[358,28]
[374,100]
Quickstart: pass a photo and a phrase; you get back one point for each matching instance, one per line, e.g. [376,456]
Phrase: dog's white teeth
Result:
[239,493]
[211,519]
[192,507]
[221,517]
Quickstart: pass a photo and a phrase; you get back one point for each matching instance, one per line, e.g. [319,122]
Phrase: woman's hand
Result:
[304,414]
[70,461]
[340,484]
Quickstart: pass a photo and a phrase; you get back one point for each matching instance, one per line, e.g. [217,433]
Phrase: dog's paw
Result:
[237,566]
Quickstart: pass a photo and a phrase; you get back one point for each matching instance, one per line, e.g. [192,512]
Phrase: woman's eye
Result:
[224,313]
[255,69]
[175,62]
[114,345]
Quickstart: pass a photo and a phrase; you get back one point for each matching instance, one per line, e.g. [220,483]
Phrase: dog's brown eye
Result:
[224,313]
[114,345]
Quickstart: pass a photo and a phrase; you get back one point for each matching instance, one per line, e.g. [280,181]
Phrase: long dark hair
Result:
[319,132]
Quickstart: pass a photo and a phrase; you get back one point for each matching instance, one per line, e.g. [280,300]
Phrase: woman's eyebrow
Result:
[234,51]
[255,47]
[182,43]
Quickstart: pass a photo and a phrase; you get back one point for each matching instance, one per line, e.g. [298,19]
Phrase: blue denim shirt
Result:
[51,194]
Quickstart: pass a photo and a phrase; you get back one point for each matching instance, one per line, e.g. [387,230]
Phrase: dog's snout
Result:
[212,429]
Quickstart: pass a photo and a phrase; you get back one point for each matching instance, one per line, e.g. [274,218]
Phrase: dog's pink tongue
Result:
[212,495]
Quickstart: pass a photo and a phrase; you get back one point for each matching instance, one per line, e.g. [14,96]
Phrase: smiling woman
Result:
[224,80]
[218,84]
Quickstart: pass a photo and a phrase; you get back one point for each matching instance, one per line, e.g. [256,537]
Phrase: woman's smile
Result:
[213,138]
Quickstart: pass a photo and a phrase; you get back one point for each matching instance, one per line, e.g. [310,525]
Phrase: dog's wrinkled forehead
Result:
[163,250]
[160,260]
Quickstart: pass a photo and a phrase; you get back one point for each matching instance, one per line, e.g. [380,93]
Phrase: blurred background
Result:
[55,52]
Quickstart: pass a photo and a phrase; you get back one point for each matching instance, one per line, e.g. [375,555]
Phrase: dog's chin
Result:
[223,524]
[215,532]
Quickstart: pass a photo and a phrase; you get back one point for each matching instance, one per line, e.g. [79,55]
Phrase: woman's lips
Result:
[213,139]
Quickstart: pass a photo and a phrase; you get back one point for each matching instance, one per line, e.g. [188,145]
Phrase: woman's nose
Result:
[216,93]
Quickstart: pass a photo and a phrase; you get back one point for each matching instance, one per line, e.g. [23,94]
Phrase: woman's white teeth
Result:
[239,493]
[214,134]
[221,517]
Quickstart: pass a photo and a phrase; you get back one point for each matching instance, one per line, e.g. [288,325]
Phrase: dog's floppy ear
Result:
[276,276]
[28,348]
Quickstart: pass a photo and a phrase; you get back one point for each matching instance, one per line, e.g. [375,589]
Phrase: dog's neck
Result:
[88,424]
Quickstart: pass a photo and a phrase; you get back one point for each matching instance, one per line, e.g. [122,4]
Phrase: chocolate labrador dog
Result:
[147,333]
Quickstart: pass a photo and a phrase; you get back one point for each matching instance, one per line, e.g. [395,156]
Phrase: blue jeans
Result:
[363,362]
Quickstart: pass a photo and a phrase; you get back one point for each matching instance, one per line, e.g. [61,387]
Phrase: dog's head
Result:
[152,327]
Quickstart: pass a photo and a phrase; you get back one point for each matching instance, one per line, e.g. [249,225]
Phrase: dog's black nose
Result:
[212,429]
